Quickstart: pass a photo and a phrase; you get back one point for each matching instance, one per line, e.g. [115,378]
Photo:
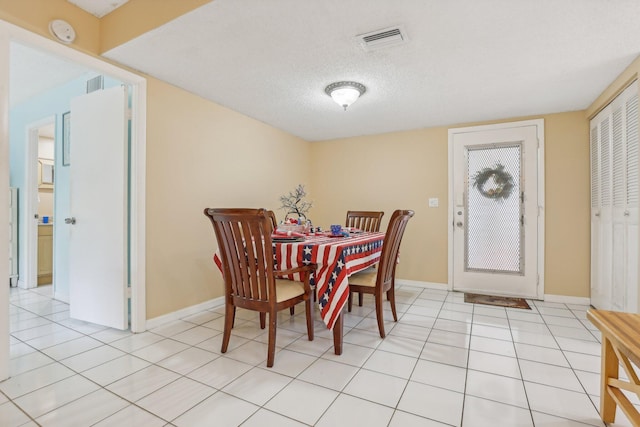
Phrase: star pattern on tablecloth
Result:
[335,272]
[339,265]
[306,260]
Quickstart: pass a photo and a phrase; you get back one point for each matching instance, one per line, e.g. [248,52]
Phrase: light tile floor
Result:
[444,363]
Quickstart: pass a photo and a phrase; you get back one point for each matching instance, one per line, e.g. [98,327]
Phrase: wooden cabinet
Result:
[45,254]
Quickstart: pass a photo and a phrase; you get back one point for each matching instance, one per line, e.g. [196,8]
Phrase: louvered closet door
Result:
[600,297]
[632,233]
[614,204]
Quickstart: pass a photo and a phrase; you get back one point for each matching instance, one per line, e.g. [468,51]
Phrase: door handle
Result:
[626,213]
[36,216]
[71,220]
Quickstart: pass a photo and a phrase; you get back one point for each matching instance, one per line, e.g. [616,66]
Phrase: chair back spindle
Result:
[274,220]
[364,220]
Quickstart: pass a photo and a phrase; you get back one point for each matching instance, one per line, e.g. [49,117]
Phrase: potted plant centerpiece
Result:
[296,208]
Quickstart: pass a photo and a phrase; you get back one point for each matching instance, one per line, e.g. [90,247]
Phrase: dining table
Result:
[336,258]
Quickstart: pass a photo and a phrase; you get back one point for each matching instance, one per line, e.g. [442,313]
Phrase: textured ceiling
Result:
[99,8]
[465,61]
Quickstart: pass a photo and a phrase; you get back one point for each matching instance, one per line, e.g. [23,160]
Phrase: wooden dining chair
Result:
[364,220]
[250,278]
[274,220]
[382,280]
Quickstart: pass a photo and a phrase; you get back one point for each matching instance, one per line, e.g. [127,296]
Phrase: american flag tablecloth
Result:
[337,258]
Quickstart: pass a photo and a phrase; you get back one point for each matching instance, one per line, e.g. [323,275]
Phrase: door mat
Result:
[497,301]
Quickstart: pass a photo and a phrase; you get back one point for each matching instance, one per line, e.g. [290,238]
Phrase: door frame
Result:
[539,123]
[10,32]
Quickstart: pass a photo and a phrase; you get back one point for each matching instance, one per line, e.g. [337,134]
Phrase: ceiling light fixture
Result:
[345,93]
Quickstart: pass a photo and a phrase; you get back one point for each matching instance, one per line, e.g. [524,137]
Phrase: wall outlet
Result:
[434,202]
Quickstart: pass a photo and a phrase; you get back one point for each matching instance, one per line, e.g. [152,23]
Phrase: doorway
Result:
[9,34]
[56,100]
[45,164]
[496,194]
[37,202]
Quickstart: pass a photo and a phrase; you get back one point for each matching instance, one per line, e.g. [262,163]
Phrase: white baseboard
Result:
[421,284]
[61,297]
[444,286]
[567,299]
[188,311]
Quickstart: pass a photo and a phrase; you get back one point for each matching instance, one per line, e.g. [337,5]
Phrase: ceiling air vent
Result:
[382,38]
[96,83]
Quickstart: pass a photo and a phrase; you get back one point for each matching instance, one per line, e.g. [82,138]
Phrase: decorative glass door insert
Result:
[494,237]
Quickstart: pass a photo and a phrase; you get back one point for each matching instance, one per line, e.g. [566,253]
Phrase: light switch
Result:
[433,202]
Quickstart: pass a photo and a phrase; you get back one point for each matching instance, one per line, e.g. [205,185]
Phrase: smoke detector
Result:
[62,30]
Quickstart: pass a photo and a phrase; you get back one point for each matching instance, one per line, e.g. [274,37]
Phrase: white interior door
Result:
[495,210]
[98,206]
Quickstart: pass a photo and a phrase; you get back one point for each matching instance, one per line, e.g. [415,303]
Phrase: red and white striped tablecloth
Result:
[336,259]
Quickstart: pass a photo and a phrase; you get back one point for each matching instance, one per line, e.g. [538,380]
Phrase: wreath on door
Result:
[493,183]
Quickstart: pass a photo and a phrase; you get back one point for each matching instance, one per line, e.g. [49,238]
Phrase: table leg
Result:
[337,334]
[609,370]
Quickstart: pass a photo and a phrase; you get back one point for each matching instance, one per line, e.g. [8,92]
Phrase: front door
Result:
[495,207]
[98,208]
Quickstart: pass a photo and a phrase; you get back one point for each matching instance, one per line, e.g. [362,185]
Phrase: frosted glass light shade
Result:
[345,93]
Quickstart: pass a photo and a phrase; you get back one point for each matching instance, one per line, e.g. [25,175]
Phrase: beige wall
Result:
[200,154]
[387,172]
[403,170]
[203,155]
[567,186]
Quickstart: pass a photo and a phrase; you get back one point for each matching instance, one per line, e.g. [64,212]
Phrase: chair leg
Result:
[271,351]
[292,309]
[229,316]
[391,296]
[263,318]
[309,310]
[349,302]
[233,322]
[379,314]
